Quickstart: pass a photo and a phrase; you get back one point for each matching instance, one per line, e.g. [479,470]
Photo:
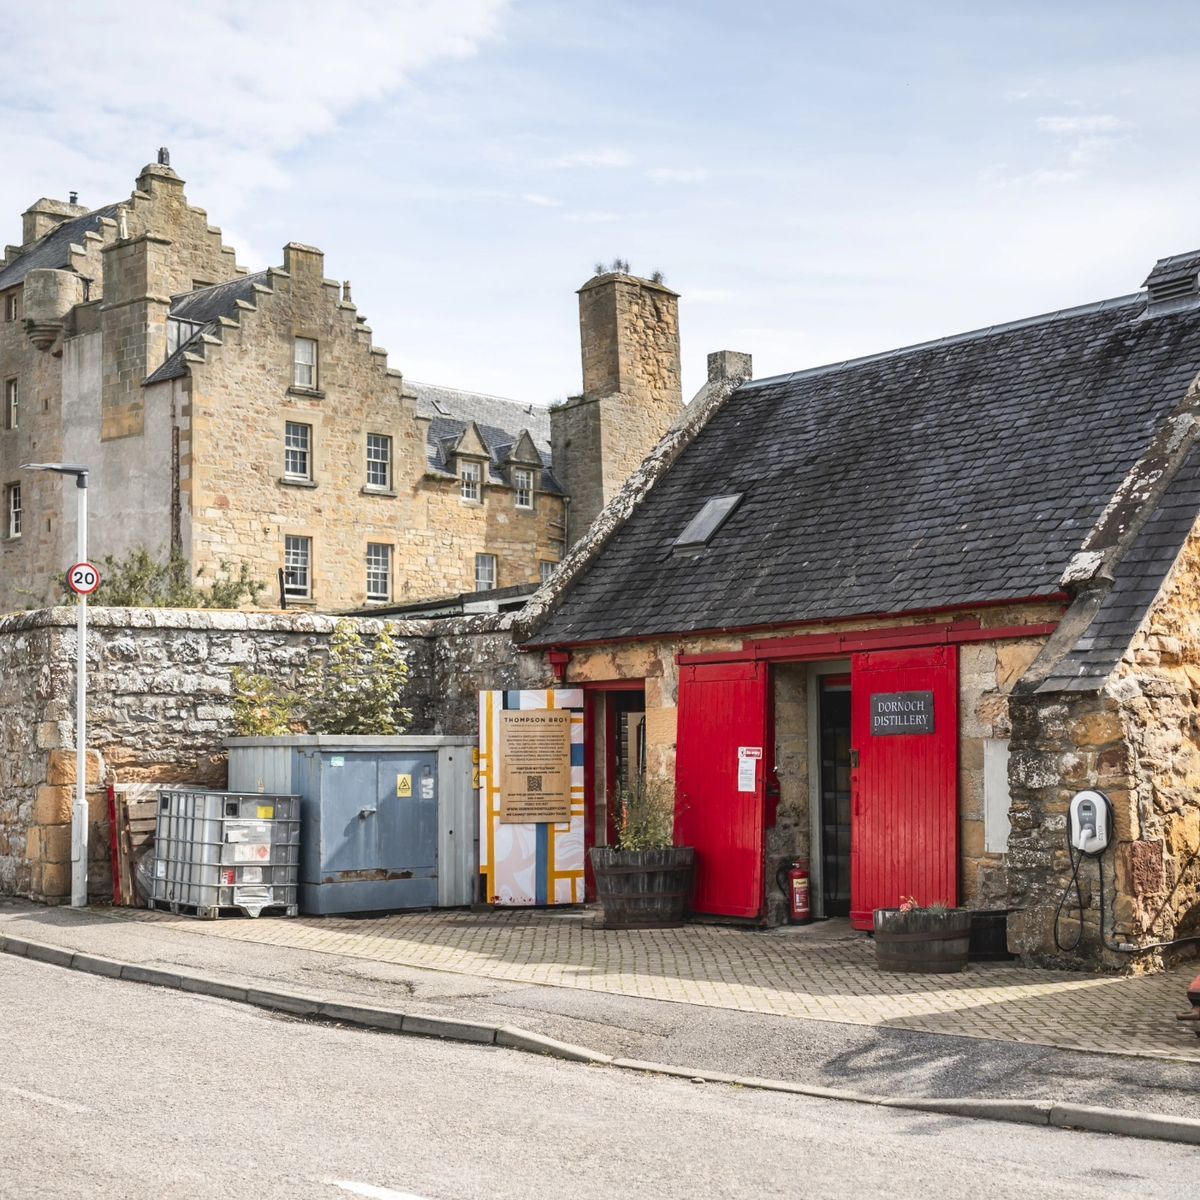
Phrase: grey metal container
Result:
[224,852]
[388,822]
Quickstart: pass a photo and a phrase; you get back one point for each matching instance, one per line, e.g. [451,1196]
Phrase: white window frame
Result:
[470,475]
[546,568]
[523,487]
[10,306]
[485,572]
[379,567]
[377,442]
[297,566]
[12,403]
[304,371]
[12,506]
[298,453]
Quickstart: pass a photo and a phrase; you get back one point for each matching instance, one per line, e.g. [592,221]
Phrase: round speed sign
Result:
[83,578]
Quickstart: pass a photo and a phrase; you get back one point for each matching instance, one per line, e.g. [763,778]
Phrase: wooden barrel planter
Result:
[922,942]
[644,889]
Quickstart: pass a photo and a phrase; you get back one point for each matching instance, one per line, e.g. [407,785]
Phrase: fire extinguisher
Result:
[799,900]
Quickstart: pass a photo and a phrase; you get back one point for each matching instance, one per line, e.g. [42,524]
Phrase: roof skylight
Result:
[707,521]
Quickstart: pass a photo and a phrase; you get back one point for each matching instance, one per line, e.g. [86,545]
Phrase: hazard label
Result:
[403,787]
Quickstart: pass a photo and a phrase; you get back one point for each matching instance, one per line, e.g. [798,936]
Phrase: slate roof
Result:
[205,307]
[499,422]
[1138,579]
[54,250]
[963,470]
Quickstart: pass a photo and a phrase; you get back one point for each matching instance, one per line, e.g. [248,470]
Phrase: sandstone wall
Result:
[160,689]
[987,674]
[240,506]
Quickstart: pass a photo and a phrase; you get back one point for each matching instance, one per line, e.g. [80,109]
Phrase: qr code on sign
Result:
[533,784]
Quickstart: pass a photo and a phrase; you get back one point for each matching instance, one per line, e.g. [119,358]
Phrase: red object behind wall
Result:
[904,788]
[723,708]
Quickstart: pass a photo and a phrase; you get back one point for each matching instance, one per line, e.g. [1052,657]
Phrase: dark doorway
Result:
[834,739]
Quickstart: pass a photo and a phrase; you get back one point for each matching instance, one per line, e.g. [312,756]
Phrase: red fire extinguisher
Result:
[799,900]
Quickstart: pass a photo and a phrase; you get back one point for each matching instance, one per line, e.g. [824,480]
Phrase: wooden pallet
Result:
[213,912]
[133,809]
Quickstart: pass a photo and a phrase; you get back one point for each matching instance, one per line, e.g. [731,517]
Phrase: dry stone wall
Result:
[160,708]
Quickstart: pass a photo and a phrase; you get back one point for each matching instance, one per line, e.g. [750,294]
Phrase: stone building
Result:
[248,418]
[891,614]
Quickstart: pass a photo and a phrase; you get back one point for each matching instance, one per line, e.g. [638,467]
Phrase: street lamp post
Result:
[79,813]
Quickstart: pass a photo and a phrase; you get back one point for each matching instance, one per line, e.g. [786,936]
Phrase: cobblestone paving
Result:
[824,973]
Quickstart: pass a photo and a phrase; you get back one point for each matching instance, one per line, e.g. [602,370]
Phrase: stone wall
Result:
[239,506]
[1137,740]
[160,692]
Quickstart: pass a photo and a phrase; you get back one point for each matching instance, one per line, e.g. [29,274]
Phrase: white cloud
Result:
[677,174]
[230,87]
[610,157]
[1081,126]
[595,217]
[541,201]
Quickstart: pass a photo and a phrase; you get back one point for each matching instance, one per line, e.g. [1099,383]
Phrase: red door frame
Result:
[591,693]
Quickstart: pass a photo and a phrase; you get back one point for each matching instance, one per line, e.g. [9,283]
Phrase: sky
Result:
[817,180]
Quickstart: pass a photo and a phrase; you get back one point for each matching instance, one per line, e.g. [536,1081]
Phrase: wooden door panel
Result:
[904,816]
[722,708]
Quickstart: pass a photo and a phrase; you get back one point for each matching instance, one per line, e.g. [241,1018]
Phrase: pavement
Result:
[112,1090]
[872,1035]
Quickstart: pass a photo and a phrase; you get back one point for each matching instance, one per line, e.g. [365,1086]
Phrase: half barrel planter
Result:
[644,889]
[922,942]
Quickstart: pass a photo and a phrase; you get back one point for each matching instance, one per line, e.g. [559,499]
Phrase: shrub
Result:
[645,814]
[140,581]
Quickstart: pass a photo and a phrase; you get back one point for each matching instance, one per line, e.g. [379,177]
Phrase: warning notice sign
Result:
[403,787]
[535,766]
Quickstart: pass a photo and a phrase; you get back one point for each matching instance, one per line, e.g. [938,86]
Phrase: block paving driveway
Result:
[823,972]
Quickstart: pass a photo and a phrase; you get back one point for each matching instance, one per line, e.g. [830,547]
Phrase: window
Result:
[179,332]
[379,460]
[379,571]
[485,572]
[470,476]
[305,364]
[700,529]
[10,306]
[297,567]
[297,450]
[547,569]
[10,404]
[523,485]
[12,505]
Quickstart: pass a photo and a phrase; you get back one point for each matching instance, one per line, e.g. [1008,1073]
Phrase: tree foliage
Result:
[139,580]
[356,689]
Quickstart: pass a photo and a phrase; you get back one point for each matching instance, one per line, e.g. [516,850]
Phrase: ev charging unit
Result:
[1090,822]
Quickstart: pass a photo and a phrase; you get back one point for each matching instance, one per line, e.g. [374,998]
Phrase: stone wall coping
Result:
[357,741]
[227,620]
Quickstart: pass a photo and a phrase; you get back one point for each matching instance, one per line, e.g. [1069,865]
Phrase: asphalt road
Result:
[894,1062]
[112,1089]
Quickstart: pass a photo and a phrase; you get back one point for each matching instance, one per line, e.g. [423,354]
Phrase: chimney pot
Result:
[164,156]
[74,197]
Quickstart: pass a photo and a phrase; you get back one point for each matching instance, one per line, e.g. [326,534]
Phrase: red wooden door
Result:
[723,713]
[904,788]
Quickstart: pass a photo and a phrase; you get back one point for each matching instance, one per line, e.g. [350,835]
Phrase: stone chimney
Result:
[632,394]
[44,215]
[133,320]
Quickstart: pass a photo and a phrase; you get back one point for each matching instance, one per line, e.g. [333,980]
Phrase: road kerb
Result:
[1092,1119]
[1122,1121]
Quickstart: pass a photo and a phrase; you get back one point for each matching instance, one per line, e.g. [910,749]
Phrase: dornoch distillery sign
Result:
[901,712]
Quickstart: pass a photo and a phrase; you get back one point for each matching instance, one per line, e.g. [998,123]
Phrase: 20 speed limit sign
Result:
[83,578]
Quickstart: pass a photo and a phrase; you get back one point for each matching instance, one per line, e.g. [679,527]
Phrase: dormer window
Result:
[523,487]
[700,529]
[179,333]
[470,476]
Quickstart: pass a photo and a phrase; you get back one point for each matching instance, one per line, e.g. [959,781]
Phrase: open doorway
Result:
[832,779]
